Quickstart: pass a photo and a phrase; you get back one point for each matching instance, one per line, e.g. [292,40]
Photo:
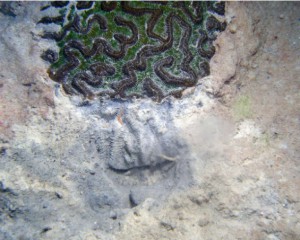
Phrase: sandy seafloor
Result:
[232,143]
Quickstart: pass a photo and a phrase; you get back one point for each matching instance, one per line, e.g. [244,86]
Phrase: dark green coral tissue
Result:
[131,49]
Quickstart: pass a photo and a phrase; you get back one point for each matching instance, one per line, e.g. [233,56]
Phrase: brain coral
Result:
[131,49]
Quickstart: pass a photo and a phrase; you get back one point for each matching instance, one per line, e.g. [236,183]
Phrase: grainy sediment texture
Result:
[220,163]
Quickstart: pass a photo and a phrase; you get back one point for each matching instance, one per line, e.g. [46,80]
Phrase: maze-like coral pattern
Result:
[131,49]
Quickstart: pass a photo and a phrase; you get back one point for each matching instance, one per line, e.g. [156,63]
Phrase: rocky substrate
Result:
[222,162]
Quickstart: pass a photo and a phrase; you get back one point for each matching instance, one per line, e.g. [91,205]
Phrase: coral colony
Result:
[131,49]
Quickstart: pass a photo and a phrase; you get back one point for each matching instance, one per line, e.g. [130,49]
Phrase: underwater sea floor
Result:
[221,161]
